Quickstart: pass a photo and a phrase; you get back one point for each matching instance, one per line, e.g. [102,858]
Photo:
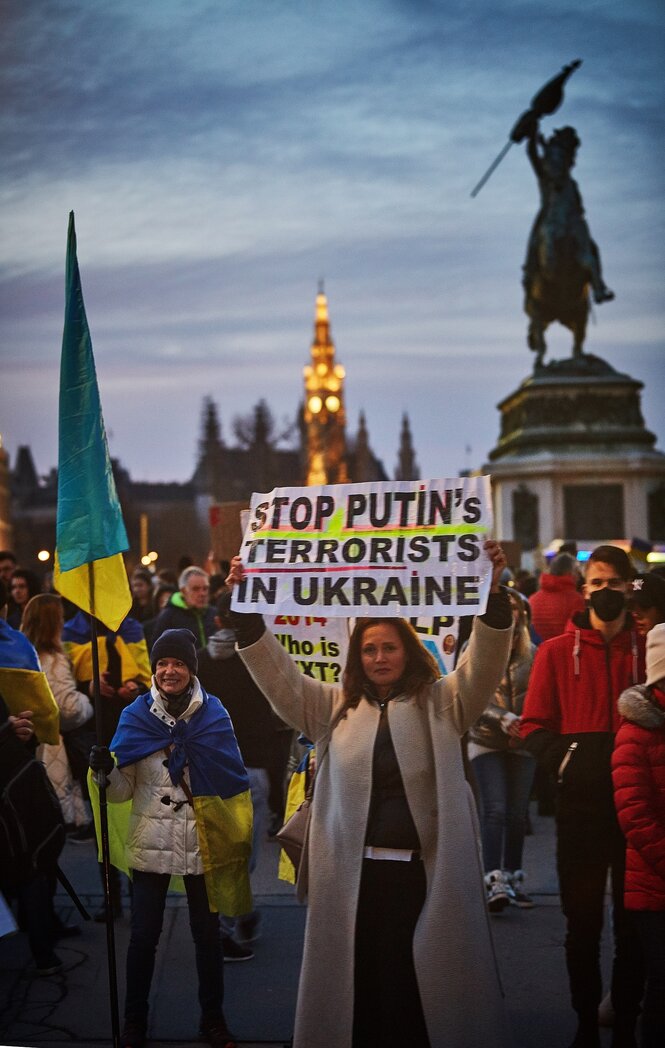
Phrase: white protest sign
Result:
[390,548]
[318,645]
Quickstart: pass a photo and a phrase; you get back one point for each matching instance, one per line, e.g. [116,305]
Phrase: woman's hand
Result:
[129,690]
[236,572]
[499,563]
[22,725]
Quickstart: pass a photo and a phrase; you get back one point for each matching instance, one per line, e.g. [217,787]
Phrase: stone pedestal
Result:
[575,460]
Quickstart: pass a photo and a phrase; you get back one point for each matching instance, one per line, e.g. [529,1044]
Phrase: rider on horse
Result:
[562,260]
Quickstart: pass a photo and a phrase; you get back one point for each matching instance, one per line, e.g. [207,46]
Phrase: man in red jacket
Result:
[557,599]
[569,721]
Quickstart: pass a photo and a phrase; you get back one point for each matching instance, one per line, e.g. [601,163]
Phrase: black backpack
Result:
[32,829]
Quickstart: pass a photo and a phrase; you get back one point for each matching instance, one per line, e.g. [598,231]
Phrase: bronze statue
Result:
[563,261]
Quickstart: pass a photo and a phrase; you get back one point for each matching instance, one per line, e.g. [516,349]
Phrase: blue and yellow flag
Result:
[23,684]
[220,792]
[90,529]
[129,644]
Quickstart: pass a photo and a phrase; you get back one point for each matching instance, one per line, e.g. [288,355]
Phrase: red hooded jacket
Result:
[555,602]
[638,774]
[570,712]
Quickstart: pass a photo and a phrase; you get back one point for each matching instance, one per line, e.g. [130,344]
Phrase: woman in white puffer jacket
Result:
[42,623]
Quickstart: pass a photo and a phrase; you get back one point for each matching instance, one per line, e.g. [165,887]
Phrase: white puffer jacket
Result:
[75,707]
[162,836]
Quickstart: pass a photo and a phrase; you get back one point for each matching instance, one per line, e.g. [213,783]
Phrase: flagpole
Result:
[103,822]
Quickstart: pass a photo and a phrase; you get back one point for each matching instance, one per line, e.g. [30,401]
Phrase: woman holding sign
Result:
[397,945]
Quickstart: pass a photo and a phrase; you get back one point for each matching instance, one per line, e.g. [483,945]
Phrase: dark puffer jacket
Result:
[638,774]
[177,615]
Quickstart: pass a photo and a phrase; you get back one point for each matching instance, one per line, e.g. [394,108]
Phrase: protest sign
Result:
[318,645]
[390,548]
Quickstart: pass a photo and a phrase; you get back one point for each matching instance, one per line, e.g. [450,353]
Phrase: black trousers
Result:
[582,879]
[651,929]
[387,1009]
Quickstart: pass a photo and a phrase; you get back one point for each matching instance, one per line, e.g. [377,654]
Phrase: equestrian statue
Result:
[562,267]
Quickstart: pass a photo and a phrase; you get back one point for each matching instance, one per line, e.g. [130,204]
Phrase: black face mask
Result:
[608,603]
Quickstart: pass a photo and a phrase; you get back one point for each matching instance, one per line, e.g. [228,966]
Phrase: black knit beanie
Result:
[175,644]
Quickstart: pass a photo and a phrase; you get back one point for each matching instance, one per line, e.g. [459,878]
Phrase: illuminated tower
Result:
[323,413]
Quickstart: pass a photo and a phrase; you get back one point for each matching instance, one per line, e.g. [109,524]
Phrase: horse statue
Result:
[562,265]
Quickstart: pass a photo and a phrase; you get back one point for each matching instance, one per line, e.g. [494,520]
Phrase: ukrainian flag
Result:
[129,643]
[90,532]
[220,792]
[23,684]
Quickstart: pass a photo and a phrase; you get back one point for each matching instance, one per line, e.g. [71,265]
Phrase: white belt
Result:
[391,854]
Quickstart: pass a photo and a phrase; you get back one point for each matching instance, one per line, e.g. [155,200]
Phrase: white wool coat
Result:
[453,950]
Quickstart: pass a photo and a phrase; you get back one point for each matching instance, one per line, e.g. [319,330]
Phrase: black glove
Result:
[248,627]
[101,760]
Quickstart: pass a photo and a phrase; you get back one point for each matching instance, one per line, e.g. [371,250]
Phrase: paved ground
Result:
[72,1007]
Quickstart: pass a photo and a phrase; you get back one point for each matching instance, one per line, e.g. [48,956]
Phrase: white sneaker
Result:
[518,896]
[497,891]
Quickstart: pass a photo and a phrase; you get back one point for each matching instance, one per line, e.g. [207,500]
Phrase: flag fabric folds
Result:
[90,529]
[23,684]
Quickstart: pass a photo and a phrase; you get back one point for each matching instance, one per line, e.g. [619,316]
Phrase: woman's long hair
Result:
[42,622]
[421,668]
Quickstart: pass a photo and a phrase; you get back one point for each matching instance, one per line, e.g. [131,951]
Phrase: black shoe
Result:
[216,1033]
[233,951]
[133,1034]
[247,928]
[50,964]
[64,931]
[587,1036]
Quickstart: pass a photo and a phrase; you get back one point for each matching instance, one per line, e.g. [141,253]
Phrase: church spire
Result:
[362,463]
[323,412]
[407,467]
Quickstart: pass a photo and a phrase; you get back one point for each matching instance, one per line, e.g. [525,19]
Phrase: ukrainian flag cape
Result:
[23,684]
[219,785]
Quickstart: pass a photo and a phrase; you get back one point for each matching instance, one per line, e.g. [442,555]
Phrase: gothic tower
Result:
[407,467]
[323,413]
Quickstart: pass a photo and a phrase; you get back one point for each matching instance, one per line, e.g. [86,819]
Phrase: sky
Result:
[223,156]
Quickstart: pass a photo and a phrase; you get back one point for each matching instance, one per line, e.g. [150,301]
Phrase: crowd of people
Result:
[559,691]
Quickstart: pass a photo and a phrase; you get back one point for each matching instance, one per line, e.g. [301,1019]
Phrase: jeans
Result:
[148,901]
[504,787]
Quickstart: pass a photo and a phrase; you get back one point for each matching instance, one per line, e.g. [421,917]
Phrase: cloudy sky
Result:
[223,155]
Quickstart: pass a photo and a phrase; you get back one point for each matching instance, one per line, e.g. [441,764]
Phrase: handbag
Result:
[293,834]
